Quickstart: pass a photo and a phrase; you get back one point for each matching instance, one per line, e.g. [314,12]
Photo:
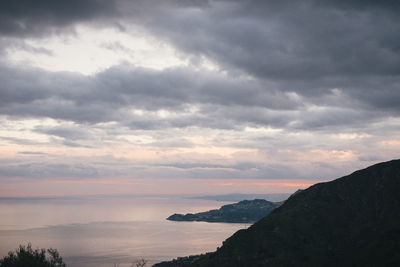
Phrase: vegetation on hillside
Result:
[351,221]
[246,211]
[26,256]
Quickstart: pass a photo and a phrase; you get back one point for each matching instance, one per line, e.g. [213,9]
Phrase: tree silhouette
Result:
[26,256]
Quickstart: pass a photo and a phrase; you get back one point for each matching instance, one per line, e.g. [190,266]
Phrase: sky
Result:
[194,96]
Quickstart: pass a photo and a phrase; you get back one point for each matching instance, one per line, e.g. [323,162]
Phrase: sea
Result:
[110,230]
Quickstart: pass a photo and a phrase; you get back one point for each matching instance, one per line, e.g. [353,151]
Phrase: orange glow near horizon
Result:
[390,143]
[171,186]
[268,183]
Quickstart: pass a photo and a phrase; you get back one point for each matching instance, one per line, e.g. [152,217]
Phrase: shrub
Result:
[26,256]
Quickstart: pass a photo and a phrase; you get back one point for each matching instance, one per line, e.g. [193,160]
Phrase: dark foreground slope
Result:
[352,221]
[245,211]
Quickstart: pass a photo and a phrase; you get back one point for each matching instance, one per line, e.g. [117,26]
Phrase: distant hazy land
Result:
[245,211]
[239,197]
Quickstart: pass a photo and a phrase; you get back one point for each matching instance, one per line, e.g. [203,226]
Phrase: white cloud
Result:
[91,50]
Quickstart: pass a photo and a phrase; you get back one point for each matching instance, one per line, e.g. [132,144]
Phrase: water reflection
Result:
[101,231]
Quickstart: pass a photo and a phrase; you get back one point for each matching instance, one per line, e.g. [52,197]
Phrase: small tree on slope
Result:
[26,256]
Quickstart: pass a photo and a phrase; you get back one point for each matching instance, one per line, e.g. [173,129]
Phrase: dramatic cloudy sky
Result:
[193,96]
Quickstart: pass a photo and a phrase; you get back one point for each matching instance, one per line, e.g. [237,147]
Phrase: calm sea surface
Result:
[103,231]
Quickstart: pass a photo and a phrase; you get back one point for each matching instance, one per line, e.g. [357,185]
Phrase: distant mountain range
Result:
[239,197]
[351,221]
[246,211]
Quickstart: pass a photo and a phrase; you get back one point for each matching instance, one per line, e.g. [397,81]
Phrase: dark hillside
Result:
[351,221]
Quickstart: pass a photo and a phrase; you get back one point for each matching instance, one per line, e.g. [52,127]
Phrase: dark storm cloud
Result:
[25,17]
[388,5]
[219,101]
[324,75]
[287,40]
[110,95]
[313,64]
[307,47]
[276,40]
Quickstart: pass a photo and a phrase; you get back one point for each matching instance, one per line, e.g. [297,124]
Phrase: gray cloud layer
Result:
[307,47]
[304,40]
[219,101]
[317,66]
[25,17]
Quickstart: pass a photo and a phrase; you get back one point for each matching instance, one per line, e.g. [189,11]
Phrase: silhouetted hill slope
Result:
[351,221]
[245,211]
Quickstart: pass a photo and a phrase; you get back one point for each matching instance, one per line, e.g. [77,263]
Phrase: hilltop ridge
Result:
[351,221]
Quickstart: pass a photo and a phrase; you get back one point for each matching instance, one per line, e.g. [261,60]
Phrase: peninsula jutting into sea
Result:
[245,211]
[133,133]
